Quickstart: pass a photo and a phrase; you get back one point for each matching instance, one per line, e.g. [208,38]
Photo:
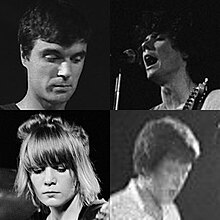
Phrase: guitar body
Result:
[197,97]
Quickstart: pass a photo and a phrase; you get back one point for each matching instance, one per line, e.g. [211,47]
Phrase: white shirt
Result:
[128,205]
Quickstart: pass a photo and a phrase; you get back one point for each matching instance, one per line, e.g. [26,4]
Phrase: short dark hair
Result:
[54,21]
[163,138]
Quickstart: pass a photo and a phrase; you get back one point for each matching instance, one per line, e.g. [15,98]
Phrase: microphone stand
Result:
[117,90]
[128,56]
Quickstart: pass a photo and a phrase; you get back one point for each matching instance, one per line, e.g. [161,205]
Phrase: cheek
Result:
[77,69]
[167,55]
[165,181]
[68,186]
[36,182]
[42,71]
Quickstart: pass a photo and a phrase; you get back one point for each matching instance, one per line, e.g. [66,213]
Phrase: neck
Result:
[146,191]
[176,90]
[30,102]
[69,211]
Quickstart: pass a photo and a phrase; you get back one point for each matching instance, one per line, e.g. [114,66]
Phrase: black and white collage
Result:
[91,102]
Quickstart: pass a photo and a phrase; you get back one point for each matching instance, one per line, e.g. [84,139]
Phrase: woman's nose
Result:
[50,177]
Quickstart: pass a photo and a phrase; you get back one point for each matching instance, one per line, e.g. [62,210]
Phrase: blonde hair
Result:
[48,141]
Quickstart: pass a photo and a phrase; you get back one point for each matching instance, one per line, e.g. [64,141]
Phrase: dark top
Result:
[11,106]
[87,212]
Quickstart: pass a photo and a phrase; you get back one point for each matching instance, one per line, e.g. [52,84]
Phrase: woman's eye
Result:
[61,169]
[37,170]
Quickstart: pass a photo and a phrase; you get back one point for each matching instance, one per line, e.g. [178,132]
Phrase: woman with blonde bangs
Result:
[55,170]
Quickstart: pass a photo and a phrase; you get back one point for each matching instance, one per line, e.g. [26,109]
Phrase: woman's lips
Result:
[50,192]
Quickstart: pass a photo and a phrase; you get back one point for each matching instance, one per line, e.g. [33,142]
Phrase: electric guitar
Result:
[197,97]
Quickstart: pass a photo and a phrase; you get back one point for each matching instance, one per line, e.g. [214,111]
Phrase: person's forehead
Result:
[76,47]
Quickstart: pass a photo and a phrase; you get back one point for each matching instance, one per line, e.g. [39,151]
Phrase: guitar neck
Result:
[197,97]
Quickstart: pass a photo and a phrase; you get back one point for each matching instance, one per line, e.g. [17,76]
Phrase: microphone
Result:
[132,56]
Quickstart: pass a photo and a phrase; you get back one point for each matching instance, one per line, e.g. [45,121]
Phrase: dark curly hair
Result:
[54,21]
[183,32]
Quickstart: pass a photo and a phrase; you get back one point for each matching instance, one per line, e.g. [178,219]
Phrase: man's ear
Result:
[24,59]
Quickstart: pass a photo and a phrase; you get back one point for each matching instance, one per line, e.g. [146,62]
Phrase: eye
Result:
[61,168]
[38,170]
[77,59]
[51,58]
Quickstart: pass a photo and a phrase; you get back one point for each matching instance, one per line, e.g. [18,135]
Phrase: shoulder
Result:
[212,101]
[123,206]
[11,106]
[97,211]
[158,107]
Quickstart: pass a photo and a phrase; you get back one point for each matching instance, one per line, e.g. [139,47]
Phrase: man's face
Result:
[169,178]
[54,71]
[159,57]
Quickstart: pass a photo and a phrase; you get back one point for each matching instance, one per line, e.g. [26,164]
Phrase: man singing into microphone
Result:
[170,49]
[53,39]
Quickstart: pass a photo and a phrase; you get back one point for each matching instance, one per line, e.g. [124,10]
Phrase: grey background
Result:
[200,198]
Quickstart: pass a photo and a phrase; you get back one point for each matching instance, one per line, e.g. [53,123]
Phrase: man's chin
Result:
[155,76]
[59,98]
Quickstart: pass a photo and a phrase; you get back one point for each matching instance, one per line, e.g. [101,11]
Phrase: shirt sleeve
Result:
[212,101]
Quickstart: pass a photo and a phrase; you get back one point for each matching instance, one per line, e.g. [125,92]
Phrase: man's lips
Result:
[62,85]
[150,60]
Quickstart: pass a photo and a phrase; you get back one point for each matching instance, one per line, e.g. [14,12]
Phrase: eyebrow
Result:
[81,54]
[50,51]
[57,52]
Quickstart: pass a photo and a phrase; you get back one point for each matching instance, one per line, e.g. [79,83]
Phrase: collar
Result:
[145,201]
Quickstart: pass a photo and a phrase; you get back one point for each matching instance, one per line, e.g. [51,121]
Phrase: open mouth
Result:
[150,60]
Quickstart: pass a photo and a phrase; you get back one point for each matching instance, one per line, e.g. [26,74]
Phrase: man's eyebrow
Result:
[50,51]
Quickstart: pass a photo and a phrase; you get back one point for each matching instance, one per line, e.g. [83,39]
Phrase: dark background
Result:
[95,123]
[136,91]
[93,88]
[200,197]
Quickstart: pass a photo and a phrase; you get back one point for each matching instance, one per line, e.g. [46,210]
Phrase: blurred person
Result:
[164,153]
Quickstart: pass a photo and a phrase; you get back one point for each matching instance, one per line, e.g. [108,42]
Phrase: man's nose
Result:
[148,43]
[50,177]
[65,70]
